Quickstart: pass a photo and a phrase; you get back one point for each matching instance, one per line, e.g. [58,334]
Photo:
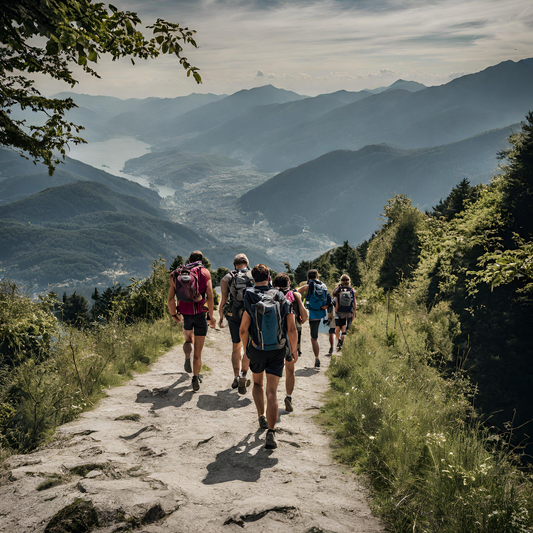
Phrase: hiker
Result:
[330,321]
[317,299]
[282,282]
[346,308]
[191,285]
[266,326]
[232,287]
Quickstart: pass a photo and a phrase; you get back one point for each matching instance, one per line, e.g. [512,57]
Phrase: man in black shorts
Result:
[192,279]
[232,287]
[266,344]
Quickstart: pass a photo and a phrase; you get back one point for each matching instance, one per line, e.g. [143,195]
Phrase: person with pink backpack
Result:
[191,286]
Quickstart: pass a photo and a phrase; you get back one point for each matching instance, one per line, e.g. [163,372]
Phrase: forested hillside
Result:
[432,396]
[19,178]
[342,192]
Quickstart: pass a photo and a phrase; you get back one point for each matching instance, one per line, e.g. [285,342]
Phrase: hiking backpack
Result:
[268,330]
[346,298]
[187,283]
[239,282]
[317,295]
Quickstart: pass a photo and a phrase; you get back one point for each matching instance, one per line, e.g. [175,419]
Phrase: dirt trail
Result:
[193,461]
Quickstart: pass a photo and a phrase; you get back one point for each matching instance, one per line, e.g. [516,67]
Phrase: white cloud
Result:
[301,43]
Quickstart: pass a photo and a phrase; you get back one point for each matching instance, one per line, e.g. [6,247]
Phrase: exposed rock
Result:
[256,508]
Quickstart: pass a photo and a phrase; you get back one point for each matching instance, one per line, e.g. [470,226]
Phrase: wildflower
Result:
[371,437]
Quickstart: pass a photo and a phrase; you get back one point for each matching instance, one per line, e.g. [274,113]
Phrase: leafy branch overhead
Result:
[50,38]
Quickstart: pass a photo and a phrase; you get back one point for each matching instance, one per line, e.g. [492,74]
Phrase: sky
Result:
[318,46]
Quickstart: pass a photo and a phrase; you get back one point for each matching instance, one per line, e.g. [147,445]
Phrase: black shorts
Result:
[331,331]
[234,326]
[197,322]
[271,362]
[313,326]
[339,322]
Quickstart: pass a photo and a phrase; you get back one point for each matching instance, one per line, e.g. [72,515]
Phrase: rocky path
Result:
[188,462]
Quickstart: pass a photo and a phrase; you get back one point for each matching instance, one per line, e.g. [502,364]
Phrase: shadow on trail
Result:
[306,372]
[167,396]
[223,401]
[241,462]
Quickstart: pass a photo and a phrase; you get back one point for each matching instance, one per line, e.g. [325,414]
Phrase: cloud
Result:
[301,43]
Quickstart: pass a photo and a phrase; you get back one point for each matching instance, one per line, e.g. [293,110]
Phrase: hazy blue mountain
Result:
[246,134]
[19,178]
[406,85]
[85,229]
[175,167]
[214,114]
[73,200]
[154,110]
[489,99]
[343,192]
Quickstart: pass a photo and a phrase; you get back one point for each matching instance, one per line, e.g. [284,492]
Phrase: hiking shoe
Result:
[339,346]
[195,383]
[235,383]
[288,404]
[187,365]
[270,441]
[263,424]
[317,363]
[330,350]
[242,385]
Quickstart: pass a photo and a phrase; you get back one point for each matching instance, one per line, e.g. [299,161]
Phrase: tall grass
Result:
[44,392]
[432,465]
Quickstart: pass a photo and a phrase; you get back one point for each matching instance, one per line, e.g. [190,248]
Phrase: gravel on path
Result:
[190,462]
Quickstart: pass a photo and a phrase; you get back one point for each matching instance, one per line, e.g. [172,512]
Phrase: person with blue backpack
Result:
[346,308]
[317,301]
[267,325]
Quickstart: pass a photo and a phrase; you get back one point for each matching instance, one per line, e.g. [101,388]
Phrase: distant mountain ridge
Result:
[342,192]
[20,178]
[431,116]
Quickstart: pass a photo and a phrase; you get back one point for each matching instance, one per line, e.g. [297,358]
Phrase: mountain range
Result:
[341,193]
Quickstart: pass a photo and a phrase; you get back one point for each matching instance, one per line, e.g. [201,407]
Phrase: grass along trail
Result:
[156,457]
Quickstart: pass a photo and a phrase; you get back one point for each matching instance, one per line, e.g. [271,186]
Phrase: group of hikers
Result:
[265,318]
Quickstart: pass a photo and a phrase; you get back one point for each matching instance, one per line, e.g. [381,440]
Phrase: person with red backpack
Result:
[191,286]
[267,325]
[232,287]
[346,308]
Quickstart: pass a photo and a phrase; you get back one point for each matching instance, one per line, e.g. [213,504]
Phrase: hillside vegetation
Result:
[52,369]
[432,395]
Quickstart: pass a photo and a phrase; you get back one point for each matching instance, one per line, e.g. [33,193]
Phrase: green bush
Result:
[432,465]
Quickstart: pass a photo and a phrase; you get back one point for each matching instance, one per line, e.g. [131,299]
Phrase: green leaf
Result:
[93,56]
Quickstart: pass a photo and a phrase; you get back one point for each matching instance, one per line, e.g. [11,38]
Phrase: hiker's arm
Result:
[211,303]
[293,335]
[301,307]
[224,293]
[354,306]
[244,329]
[303,290]
[172,302]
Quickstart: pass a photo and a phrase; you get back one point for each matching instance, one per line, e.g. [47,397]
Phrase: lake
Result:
[111,155]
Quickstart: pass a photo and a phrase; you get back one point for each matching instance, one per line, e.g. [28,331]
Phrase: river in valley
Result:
[111,155]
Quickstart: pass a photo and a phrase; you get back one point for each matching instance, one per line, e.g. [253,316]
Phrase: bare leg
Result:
[197,361]
[245,365]
[236,356]
[290,378]
[316,347]
[338,333]
[332,340]
[272,400]
[258,395]
[187,345]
